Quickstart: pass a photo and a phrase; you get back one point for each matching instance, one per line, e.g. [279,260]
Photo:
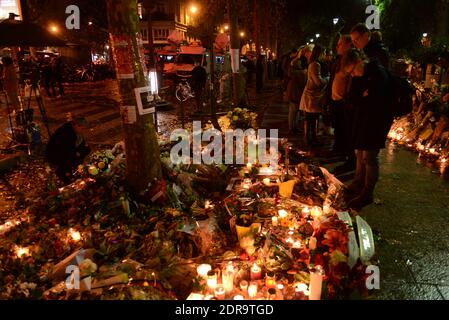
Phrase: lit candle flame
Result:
[76,236]
[20,251]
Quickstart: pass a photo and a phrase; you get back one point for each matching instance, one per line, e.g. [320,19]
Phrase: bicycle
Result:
[184,91]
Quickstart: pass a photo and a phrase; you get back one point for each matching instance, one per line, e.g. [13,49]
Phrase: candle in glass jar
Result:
[219,292]
[274,221]
[239,297]
[228,281]
[252,289]
[270,280]
[203,269]
[211,280]
[316,282]
[256,272]
[244,285]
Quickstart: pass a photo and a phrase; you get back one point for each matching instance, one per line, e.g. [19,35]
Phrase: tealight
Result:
[203,269]
[252,289]
[274,221]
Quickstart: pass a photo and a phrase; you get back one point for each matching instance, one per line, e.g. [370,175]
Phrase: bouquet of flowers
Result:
[242,119]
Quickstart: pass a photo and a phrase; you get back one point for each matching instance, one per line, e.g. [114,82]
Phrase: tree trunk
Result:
[142,148]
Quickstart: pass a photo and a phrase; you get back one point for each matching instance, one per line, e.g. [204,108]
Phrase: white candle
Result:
[274,221]
[306,211]
[316,282]
[203,269]
[20,251]
[239,297]
[267,181]
[211,280]
[256,272]
[219,292]
[249,165]
[228,281]
[76,236]
[252,290]
[282,214]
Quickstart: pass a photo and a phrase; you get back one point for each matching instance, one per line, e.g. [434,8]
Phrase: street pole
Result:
[235,44]
[142,147]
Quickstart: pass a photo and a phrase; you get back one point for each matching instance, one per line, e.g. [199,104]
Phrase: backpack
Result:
[401,96]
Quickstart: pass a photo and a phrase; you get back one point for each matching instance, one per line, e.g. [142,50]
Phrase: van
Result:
[186,59]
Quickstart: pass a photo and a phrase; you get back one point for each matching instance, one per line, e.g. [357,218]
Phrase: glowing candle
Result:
[274,221]
[289,241]
[203,269]
[246,184]
[211,280]
[266,181]
[306,211]
[244,285]
[228,281]
[270,280]
[252,289]
[22,252]
[249,165]
[239,297]
[282,214]
[316,282]
[76,236]
[219,292]
[316,212]
[297,244]
[208,205]
[256,272]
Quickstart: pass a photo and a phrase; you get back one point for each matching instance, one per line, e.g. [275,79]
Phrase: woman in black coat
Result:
[369,96]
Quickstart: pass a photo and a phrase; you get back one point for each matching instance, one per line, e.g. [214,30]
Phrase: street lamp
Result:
[226,27]
[90,23]
[193,9]
[53,28]
[317,35]
[242,34]
[311,40]
[335,21]
[425,34]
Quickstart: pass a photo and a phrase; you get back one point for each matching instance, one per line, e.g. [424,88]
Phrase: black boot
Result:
[362,200]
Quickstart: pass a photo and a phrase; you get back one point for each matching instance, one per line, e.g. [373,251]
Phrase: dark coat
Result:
[369,96]
[376,50]
[62,148]
[199,78]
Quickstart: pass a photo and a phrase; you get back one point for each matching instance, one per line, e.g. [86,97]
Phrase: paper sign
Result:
[123,56]
[145,100]
[365,239]
[128,114]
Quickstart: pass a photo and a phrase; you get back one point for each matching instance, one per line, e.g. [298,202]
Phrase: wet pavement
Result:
[410,216]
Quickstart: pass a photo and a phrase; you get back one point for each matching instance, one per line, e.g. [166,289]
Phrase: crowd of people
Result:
[349,92]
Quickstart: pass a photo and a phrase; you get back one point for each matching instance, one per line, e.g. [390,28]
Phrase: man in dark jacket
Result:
[67,148]
[372,122]
[373,49]
[198,83]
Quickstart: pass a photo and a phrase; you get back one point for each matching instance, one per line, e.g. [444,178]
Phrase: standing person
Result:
[295,88]
[47,75]
[373,48]
[198,83]
[259,73]
[67,148]
[341,111]
[312,97]
[57,71]
[369,95]
[11,83]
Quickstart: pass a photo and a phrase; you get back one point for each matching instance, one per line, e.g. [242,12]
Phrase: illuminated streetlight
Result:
[242,34]
[53,28]
[317,35]
[335,20]
[311,40]
[193,9]
[90,23]
[425,34]
[226,27]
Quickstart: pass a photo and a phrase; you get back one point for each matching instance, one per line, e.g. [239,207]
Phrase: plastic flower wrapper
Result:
[87,267]
[247,244]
